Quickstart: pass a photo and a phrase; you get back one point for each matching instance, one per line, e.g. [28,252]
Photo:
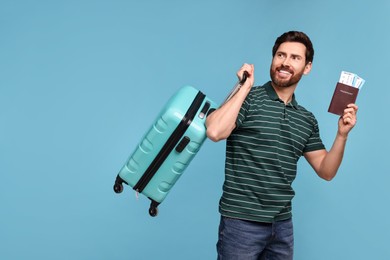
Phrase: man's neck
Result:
[284,93]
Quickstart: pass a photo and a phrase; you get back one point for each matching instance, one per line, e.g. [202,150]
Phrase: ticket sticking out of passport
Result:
[346,92]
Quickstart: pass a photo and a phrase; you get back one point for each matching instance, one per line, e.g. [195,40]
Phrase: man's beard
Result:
[285,83]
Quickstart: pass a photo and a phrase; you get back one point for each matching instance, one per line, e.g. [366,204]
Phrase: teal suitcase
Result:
[168,146]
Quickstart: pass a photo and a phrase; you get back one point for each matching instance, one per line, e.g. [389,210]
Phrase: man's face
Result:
[289,64]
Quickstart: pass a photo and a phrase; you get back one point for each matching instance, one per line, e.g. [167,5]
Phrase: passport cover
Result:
[342,96]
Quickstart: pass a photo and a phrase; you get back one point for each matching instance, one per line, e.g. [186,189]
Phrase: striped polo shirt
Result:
[262,155]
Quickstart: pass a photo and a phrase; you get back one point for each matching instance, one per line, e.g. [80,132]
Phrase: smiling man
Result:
[267,131]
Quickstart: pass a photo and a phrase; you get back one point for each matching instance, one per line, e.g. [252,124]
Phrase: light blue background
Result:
[80,82]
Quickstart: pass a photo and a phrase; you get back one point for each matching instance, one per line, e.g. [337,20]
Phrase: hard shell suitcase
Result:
[168,146]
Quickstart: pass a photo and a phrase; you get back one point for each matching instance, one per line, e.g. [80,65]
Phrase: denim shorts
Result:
[248,240]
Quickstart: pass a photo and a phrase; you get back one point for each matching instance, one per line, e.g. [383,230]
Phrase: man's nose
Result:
[286,62]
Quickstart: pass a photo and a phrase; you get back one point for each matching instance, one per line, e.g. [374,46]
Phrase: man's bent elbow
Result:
[213,135]
[327,177]
[215,132]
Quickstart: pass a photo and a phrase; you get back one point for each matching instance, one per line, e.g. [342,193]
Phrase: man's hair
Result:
[295,36]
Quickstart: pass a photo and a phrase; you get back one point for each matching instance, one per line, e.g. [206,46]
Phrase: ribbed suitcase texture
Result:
[168,146]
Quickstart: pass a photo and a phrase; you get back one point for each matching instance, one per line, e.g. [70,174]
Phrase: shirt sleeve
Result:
[314,143]
[244,109]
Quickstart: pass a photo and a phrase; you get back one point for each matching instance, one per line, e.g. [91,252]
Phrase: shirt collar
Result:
[274,96]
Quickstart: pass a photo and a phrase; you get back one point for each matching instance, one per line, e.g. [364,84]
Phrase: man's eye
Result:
[297,58]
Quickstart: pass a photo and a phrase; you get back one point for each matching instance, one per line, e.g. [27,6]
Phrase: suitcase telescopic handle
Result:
[237,87]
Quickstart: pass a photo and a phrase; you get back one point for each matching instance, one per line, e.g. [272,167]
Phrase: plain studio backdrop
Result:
[81,81]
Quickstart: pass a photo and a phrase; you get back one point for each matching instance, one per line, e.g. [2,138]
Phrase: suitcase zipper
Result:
[171,143]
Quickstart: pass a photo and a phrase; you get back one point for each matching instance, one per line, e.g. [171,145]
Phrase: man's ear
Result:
[307,68]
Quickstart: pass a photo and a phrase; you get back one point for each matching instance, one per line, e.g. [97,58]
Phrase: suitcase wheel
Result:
[118,186]
[153,210]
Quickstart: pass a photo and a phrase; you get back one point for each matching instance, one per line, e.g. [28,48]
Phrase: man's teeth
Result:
[284,72]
